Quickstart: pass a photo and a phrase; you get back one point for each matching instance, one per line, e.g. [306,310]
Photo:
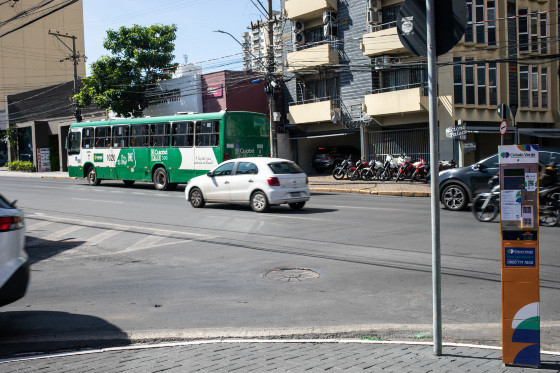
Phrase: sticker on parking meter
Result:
[520,257]
[530,182]
[511,205]
[527,217]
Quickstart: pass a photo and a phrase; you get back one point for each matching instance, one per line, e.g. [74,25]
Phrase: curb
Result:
[373,192]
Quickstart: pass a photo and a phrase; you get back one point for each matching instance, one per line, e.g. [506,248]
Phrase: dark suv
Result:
[458,186]
[328,157]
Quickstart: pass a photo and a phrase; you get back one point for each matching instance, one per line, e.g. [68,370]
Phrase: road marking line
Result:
[38,225]
[96,200]
[98,238]
[144,243]
[61,233]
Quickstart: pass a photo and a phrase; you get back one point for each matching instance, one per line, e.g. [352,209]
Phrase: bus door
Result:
[123,154]
[207,146]
[140,161]
[159,145]
[181,153]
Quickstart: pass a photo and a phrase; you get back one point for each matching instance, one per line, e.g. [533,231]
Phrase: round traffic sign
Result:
[503,127]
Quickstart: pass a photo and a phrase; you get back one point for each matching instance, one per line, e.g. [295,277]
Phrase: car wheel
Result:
[128,182]
[92,177]
[196,198]
[296,205]
[160,179]
[454,197]
[259,202]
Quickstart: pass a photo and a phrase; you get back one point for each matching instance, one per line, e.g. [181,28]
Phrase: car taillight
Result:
[273,181]
[8,223]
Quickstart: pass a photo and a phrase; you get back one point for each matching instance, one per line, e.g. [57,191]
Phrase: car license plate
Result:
[294,194]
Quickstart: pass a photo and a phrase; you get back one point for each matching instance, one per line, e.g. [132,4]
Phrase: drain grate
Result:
[291,274]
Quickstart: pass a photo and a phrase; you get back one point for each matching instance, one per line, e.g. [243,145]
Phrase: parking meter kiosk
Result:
[519,224]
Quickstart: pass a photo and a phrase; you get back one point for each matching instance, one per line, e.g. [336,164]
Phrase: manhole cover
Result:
[291,274]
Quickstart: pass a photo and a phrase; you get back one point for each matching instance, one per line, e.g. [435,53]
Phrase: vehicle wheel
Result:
[378,175]
[259,202]
[196,198]
[128,182]
[454,197]
[92,177]
[549,212]
[427,179]
[369,175]
[296,205]
[385,175]
[350,171]
[160,179]
[354,175]
[414,176]
[400,176]
[338,173]
[488,214]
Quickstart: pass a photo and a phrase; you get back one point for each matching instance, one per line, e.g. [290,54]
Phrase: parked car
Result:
[458,186]
[14,267]
[260,182]
[329,157]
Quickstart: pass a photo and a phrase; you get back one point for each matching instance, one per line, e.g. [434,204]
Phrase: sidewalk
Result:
[277,355]
[317,183]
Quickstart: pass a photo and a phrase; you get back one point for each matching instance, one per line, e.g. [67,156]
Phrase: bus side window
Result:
[208,133]
[139,135]
[182,134]
[87,138]
[120,136]
[159,135]
[103,137]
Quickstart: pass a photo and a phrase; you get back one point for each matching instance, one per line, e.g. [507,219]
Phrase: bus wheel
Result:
[160,179]
[128,182]
[92,177]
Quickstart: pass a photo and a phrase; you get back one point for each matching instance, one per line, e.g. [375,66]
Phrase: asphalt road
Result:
[133,264]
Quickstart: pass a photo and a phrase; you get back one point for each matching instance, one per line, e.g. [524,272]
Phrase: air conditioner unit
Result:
[374,17]
[373,4]
[330,30]
[299,38]
[329,17]
[298,26]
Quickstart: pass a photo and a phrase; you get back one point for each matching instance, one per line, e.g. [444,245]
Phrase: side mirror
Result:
[210,174]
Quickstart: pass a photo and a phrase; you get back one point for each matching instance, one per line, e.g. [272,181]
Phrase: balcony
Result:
[382,42]
[307,59]
[311,112]
[304,10]
[403,101]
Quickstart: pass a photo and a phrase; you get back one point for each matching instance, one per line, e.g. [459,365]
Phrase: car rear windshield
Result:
[4,204]
[285,168]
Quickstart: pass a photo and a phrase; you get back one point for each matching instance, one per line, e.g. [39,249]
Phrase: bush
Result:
[22,166]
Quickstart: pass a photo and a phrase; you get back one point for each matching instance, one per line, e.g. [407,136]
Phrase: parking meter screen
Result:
[514,179]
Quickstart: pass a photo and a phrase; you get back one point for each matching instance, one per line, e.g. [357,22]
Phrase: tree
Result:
[10,137]
[141,57]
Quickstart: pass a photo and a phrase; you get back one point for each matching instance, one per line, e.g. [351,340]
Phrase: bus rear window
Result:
[285,168]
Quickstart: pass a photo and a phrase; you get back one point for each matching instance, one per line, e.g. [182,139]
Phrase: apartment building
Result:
[30,58]
[255,45]
[350,81]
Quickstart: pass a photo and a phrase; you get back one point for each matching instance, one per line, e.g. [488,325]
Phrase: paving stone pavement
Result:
[276,355]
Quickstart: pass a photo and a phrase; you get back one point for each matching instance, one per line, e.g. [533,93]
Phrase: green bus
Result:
[164,150]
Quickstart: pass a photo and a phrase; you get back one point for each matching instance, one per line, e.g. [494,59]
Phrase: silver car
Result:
[14,266]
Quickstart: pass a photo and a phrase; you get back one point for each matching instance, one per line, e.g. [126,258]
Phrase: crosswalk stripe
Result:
[98,238]
[62,232]
[38,225]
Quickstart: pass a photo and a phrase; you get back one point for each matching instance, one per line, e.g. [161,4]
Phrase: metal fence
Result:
[415,143]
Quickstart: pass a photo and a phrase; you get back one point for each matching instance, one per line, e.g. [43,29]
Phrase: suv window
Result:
[224,169]
[285,168]
[246,168]
[491,162]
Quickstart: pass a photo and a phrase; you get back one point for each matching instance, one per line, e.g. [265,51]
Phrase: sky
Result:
[196,20]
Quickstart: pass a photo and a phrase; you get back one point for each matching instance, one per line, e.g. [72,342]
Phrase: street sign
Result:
[503,127]
[450,24]
[457,132]
[469,147]
[503,111]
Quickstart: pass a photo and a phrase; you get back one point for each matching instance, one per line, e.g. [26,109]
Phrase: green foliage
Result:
[10,137]
[21,166]
[141,57]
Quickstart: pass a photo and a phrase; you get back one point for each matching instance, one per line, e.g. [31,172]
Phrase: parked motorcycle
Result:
[420,171]
[443,165]
[406,169]
[373,169]
[389,169]
[340,171]
[354,172]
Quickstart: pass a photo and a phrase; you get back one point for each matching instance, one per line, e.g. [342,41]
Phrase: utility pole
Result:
[75,58]
[269,80]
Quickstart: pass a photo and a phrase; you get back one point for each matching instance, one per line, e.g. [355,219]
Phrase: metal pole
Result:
[269,77]
[434,161]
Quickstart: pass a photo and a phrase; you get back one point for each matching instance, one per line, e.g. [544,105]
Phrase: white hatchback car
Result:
[14,268]
[259,181]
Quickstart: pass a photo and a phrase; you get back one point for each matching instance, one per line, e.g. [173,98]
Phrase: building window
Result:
[534,32]
[469,29]
[523,29]
[481,83]
[480,34]
[389,13]
[315,90]
[544,87]
[390,80]
[492,84]
[491,14]
[524,85]
[457,80]
[469,82]
[535,86]
[544,33]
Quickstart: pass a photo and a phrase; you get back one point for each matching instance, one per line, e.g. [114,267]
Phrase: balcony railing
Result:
[384,26]
[335,101]
[423,85]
